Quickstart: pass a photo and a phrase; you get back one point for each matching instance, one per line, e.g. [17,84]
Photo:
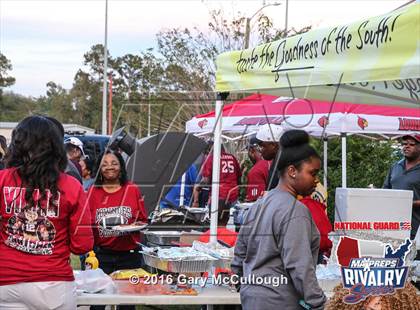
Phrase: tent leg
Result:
[216,167]
[325,163]
[182,192]
[343,160]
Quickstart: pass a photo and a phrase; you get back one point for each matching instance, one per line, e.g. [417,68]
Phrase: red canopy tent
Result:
[318,118]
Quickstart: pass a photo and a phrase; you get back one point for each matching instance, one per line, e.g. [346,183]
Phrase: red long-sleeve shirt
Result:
[230,172]
[124,206]
[322,222]
[257,180]
[35,243]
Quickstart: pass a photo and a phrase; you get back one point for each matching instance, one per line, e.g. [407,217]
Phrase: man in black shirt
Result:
[405,174]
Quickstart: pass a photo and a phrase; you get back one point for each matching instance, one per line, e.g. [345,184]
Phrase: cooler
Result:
[375,205]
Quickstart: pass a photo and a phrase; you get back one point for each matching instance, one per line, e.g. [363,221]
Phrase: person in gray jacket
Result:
[277,247]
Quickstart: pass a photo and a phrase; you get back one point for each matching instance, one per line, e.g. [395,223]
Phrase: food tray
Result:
[129,227]
[163,237]
[167,238]
[178,266]
[217,251]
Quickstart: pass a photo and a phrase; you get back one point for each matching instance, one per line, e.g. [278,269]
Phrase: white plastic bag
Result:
[94,281]
[330,271]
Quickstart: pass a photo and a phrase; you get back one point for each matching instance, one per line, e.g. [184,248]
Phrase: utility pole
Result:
[286,20]
[104,87]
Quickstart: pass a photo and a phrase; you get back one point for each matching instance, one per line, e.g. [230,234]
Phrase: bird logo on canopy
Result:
[202,123]
[362,122]
[323,121]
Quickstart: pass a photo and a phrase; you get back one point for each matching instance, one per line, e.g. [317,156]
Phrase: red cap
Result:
[413,136]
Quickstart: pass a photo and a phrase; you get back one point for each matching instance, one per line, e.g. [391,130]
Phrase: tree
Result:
[173,80]
[176,81]
[188,58]
[86,93]
[190,55]
[5,80]
[14,107]
[57,103]
[86,96]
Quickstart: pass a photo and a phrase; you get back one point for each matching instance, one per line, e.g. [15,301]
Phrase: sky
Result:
[45,40]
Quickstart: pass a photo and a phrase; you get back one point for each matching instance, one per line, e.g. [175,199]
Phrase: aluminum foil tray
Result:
[178,266]
[163,237]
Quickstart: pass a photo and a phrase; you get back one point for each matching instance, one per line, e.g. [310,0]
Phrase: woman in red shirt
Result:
[114,200]
[43,219]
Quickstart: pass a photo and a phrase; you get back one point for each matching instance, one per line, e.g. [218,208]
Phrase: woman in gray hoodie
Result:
[277,247]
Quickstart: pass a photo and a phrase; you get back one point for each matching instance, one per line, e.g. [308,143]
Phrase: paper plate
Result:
[130,227]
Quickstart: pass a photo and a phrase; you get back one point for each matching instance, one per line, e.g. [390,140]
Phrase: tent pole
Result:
[182,192]
[343,160]
[216,167]
[325,163]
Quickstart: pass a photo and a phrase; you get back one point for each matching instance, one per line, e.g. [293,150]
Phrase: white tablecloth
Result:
[212,295]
